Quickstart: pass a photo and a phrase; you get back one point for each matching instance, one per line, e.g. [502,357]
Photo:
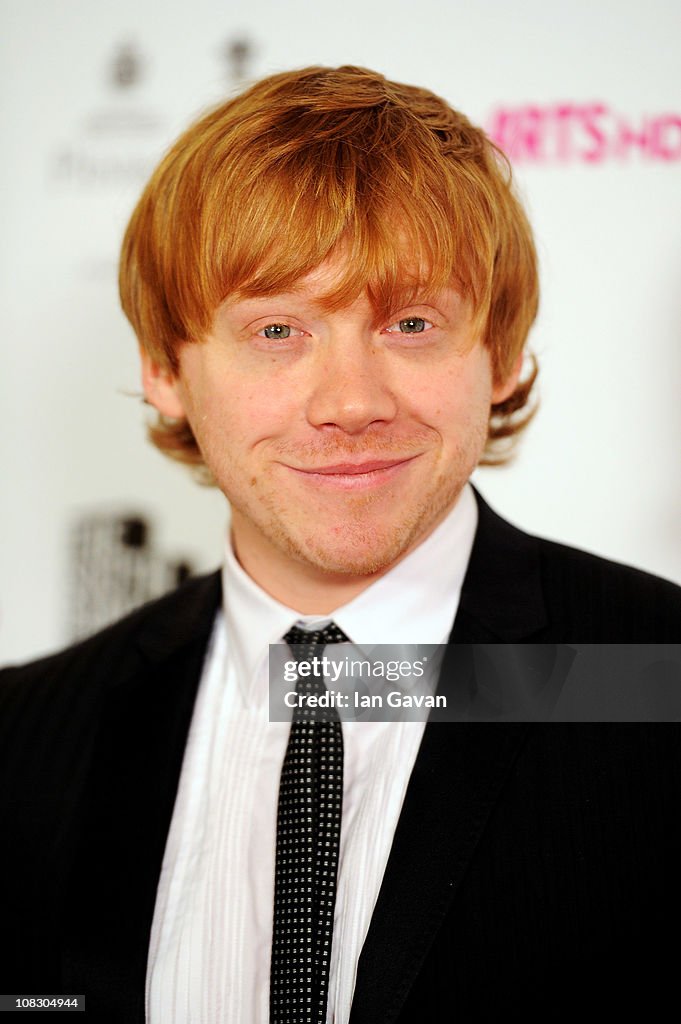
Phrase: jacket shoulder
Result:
[520,586]
[113,652]
[611,601]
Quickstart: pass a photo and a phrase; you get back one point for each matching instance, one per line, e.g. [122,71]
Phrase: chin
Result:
[350,564]
[364,554]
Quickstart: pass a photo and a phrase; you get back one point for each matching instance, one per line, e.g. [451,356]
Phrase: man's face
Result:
[339,443]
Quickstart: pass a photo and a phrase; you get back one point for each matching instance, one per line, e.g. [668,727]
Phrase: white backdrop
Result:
[586,98]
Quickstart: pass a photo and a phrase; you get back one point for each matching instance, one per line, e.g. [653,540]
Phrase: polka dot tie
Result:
[308,841]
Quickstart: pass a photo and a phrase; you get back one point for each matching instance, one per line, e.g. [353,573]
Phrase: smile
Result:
[355,476]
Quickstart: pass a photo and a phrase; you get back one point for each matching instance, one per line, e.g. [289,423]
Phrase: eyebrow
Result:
[448,302]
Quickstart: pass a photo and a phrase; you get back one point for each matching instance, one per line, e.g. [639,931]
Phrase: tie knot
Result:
[312,640]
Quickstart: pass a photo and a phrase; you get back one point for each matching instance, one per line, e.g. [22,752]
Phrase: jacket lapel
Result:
[143,729]
[457,778]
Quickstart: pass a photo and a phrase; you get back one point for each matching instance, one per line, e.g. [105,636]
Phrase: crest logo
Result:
[127,67]
[239,53]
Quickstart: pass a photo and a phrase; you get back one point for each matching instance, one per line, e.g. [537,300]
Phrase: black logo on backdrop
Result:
[114,567]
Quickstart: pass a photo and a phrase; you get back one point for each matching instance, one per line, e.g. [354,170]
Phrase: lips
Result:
[355,468]
[354,476]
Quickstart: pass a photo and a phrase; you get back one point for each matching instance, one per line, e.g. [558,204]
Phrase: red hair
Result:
[260,191]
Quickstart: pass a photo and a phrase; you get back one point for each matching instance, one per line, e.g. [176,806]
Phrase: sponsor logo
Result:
[589,133]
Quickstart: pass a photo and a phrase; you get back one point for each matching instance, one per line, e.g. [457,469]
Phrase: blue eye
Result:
[413,325]
[276,331]
[410,325]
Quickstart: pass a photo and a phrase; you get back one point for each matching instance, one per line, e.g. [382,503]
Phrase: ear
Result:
[161,387]
[505,388]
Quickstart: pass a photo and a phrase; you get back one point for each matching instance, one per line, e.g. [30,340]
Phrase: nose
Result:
[351,386]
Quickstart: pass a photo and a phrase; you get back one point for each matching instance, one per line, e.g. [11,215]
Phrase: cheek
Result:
[452,398]
[230,418]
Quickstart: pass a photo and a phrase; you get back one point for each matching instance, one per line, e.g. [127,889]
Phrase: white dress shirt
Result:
[209,954]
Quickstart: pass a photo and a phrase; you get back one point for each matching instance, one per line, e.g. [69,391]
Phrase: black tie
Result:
[308,842]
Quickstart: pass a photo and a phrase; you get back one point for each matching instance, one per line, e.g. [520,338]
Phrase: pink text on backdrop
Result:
[588,132]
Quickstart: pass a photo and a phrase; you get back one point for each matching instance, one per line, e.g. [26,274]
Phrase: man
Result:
[332,284]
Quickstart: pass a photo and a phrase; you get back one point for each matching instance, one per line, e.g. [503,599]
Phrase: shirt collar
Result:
[415,602]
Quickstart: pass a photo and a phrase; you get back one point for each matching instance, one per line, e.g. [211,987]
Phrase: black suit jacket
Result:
[535,868]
